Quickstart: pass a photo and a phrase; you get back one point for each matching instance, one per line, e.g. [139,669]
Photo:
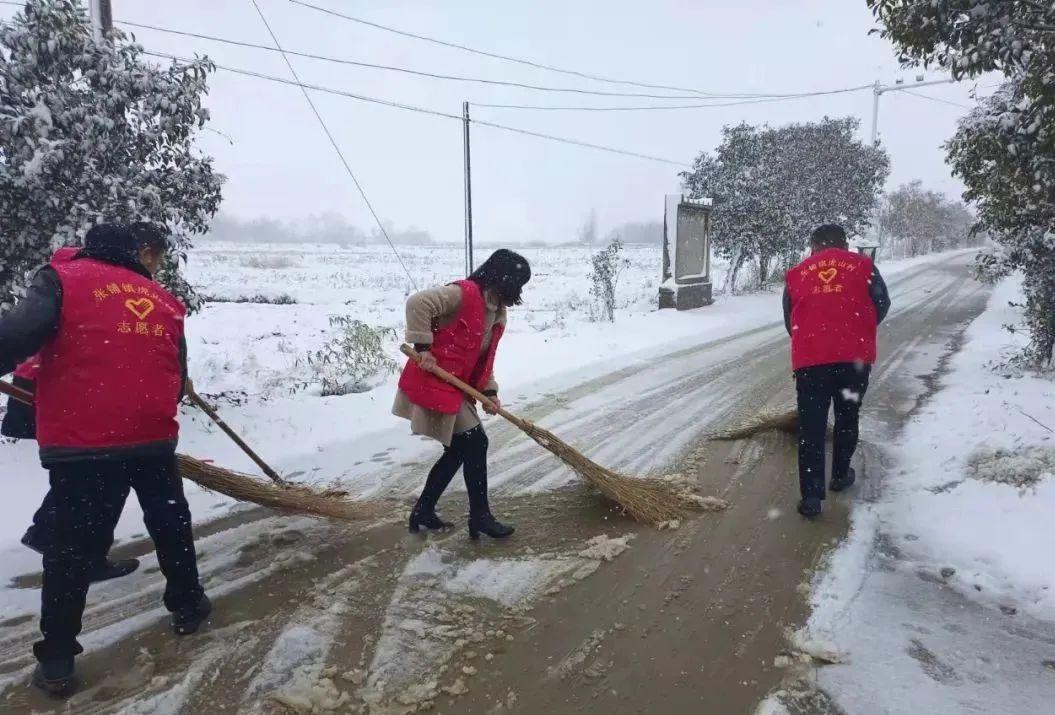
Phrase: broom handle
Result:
[467,389]
[205,407]
[17,393]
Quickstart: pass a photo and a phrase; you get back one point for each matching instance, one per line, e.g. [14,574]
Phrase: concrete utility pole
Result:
[879,89]
[102,17]
[468,194]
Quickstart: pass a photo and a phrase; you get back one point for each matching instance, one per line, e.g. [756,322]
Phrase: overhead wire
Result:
[920,95]
[660,107]
[336,146]
[505,58]
[420,73]
[421,110]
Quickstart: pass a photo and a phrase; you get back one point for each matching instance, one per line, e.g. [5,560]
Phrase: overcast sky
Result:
[282,166]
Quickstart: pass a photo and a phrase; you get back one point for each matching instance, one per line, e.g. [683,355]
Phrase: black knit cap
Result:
[506,272]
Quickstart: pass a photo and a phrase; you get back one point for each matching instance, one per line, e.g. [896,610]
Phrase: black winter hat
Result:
[506,272]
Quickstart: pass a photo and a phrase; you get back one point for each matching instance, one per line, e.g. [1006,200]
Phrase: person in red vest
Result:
[833,303]
[458,328]
[20,423]
[112,369]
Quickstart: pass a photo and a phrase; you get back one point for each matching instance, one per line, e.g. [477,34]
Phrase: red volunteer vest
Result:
[457,350]
[833,318]
[111,376]
[28,368]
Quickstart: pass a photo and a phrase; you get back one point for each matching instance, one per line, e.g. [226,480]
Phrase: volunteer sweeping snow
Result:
[458,327]
[107,391]
[833,303]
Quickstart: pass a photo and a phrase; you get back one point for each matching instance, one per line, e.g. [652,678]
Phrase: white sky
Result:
[282,166]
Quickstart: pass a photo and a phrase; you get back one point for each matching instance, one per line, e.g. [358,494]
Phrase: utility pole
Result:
[102,17]
[469,266]
[879,90]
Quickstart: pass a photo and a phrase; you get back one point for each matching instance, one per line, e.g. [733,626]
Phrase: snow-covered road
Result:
[307,599]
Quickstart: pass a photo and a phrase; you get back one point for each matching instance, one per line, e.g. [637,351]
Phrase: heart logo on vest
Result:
[141,308]
[828,275]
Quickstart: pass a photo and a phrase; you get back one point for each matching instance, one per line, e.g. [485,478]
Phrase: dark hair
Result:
[149,235]
[111,237]
[506,272]
[115,244]
[829,235]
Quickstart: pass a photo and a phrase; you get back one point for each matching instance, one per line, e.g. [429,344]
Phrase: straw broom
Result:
[282,496]
[764,421]
[767,420]
[649,500]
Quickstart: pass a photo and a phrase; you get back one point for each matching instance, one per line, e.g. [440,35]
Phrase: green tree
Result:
[1004,150]
[90,132]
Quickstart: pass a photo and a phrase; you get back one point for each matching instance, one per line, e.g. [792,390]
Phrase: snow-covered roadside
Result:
[943,597]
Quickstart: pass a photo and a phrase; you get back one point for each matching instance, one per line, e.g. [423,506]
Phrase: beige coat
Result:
[437,308]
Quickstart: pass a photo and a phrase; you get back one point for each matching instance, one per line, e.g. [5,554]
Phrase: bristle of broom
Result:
[764,421]
[649,500]
[330,504]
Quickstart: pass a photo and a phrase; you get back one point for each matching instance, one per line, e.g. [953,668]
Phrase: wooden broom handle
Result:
[26,397]
[23,396]
[467,389]
[205,407]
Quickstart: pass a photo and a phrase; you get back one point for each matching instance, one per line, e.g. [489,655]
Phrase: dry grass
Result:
[649,500]
[330,504]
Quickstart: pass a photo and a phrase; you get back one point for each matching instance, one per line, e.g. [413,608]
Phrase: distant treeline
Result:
[326,228]
[333,228]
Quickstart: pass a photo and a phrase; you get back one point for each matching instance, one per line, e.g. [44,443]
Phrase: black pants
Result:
[818,388]
[86,497]
[468,451]
[41,533]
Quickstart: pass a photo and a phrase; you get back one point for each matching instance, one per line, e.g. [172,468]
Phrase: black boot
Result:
[56,676]
[840,483]
[186,621]
[810,507]
[480,519]
[430,520]
[108,569]
[487,524]
[424,512]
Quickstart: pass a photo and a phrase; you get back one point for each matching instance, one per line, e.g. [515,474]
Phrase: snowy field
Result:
[248,357]
[942,599]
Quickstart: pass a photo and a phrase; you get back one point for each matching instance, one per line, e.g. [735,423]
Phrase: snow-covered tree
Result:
[1004,150]
[91,132]
[921,221]
[736,178]
[772,186]
[826,175]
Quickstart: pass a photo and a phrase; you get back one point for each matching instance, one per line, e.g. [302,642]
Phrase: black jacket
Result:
[876,288]
[28,327]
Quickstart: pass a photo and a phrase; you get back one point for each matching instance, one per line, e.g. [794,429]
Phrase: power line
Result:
[417,73]
[750,98]
[423,110]
[659,107]
[336,146]
[506,58]
[936,99]
[575,142]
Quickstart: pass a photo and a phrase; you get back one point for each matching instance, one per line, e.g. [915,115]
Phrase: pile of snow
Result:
[1022,468]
